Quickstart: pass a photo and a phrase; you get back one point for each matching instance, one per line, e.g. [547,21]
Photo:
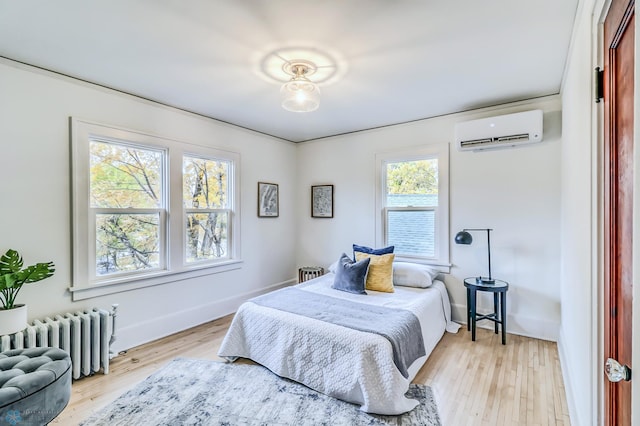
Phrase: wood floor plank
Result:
[474,383]
[519,380]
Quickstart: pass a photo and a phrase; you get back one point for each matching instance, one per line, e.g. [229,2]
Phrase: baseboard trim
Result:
[568,386]
[516,324]
[158,327]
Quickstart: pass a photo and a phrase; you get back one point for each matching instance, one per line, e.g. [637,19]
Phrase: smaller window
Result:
[412,201]
[205,192]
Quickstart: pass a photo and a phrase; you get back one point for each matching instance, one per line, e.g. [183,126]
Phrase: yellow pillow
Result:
[380,275]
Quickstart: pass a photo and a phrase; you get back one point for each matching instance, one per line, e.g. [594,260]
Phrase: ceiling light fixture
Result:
[300,94]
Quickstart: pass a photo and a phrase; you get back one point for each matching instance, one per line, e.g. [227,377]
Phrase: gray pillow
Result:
[351,276]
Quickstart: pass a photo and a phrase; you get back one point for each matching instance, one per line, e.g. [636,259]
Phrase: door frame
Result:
[600,9]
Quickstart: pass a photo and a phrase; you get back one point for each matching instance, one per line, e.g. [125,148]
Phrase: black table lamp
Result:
[464,237]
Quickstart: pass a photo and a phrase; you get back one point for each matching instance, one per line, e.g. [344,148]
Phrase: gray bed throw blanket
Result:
[399,326]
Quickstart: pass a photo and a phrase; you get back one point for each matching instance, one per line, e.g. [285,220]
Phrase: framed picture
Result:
[322,201]
[268,200]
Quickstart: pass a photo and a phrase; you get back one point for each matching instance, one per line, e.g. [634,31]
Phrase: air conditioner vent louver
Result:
[510,138]
[476,142]
[502,131]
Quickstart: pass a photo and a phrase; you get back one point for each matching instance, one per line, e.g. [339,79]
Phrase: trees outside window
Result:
[205,188]
[127,206]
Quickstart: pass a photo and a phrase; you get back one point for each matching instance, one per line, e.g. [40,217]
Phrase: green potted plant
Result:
[13,317]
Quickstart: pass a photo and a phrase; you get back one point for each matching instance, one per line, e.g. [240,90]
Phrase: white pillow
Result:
[413,274]
[333,267]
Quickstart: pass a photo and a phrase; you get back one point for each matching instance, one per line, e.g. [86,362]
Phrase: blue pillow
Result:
[351,276]
[369,250]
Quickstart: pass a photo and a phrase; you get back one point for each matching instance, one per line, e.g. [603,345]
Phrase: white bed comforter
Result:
[347,364]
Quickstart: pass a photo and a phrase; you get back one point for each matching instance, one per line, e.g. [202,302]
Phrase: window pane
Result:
[127,242]
[205,183]
[412,183]
[412,232]
[123,176]
[207,236]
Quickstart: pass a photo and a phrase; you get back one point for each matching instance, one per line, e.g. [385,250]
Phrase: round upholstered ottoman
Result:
[35,385]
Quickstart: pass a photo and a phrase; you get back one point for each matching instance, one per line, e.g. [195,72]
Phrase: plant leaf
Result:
[10,262]
[36,272]
[9,281]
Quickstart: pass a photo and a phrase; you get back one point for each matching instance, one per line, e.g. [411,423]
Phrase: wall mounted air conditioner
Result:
[498,132]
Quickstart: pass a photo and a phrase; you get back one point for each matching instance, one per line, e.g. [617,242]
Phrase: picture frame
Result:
[268,199]
[322,201]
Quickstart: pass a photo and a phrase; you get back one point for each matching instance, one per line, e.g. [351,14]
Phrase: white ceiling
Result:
[398,60]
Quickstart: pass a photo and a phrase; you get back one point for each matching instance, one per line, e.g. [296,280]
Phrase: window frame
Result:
[428,152]
[173,266]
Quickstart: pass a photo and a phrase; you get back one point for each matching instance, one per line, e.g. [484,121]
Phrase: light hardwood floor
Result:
[475,383]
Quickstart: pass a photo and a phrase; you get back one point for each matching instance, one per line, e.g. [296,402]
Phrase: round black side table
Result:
[499,288]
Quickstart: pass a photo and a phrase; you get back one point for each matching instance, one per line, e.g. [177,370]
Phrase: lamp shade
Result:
[463,237]
[300,95]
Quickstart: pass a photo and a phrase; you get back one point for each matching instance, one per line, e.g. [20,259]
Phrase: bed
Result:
[345,363]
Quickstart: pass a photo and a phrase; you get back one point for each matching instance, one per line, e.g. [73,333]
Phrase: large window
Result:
[412,201]
[146,209]
[127,208]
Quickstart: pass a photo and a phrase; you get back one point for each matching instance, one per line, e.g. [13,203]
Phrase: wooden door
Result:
[619,56]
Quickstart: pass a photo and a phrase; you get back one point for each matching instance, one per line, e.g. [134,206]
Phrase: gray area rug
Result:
[203,392]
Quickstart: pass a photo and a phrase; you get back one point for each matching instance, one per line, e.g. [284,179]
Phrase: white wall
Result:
[35,107]
[514,191]
[577,343]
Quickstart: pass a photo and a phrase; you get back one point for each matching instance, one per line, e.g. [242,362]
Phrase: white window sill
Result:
[152,279]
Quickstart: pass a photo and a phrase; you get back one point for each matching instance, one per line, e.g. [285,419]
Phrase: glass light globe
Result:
[300,95]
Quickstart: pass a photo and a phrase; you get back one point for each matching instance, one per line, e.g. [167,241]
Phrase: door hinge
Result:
[599,79]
